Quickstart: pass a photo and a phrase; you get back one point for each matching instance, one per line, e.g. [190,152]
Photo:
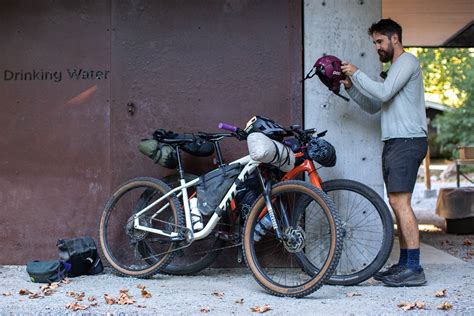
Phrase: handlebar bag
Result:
[262,148]
[322,152]
[214,185]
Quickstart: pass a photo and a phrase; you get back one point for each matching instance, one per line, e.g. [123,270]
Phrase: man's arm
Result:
[396,79]
[369,105]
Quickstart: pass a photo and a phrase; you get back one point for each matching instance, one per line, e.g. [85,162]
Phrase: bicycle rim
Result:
[122,245]
[294,268]
[368,231]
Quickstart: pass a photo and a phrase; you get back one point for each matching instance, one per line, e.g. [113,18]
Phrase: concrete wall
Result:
[340,28]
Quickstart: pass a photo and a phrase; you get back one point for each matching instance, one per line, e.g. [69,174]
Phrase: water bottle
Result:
[262,227]
[196,217]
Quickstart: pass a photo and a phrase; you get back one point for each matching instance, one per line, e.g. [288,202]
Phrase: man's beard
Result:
[386,55]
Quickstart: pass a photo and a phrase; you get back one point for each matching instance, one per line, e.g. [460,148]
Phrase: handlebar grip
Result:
[228,127]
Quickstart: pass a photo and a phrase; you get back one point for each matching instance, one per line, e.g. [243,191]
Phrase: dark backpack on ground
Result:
[47,271]
[82,254]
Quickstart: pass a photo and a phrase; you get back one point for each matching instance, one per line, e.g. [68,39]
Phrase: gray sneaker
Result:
[391,270]
[406,277]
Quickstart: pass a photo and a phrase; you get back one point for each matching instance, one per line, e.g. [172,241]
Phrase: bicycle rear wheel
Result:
[294,267]
[368,227]
[122,245]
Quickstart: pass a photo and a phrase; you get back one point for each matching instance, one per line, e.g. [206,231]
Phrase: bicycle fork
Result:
[268,202]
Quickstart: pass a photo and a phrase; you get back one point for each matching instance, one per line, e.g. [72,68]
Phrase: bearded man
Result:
[400,98]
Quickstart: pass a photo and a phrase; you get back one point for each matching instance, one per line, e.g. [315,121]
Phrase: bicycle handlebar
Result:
[228,127]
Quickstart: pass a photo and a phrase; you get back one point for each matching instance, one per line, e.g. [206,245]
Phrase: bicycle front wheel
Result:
[368,230]
[132,251]
[291,266]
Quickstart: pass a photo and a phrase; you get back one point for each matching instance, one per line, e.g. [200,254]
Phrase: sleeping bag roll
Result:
[263,149]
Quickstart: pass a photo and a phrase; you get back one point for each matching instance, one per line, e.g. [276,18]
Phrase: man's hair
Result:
[386,27]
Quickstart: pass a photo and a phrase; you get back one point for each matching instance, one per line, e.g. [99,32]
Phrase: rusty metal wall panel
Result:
[188,65]
[54,169]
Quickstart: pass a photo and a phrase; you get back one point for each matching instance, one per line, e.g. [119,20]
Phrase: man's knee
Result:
[399,201]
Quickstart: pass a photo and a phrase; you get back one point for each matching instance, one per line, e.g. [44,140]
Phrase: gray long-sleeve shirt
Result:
[400,97]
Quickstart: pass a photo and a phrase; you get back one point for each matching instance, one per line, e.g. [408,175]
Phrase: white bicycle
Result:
[145,223]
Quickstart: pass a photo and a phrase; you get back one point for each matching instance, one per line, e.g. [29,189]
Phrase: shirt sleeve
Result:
[397,78]
[367,104]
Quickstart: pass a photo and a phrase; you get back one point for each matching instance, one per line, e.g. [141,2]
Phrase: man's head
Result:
[387,37]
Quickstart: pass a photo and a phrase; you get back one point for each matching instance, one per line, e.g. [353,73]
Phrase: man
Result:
[400,97]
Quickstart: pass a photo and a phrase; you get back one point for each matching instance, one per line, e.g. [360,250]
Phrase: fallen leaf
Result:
[141,286]
[108,299]
[125,299]
[261,309]
[351,294]
[76,296]
[54,285]
[441,293]
[239,301]
[420,304]
[445,306]
[35,295]
[218,294]
[145,293]
[48,292]
[24,292]
[467,242]
[94,303]
[205,309]
[75,306]
[7,294]
[406,306]
[65,281]
[91,299]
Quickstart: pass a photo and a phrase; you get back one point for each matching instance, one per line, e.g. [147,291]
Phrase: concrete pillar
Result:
[340,28]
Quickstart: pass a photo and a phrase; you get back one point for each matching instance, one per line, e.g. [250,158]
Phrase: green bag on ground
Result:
[45,271]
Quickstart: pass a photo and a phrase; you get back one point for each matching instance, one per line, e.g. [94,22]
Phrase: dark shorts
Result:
[401,159]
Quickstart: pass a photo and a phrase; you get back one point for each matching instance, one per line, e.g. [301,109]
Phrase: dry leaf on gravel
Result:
[65,281]
[145,293]
[218,294]
[351,294]
[467,242]
[125,298]
[406,306]
[92,299]
[24,292]
[76,296]
[205,309]
[441,293]
[108,299]
[75,306]
[239,301]
[141,286]
[445,306]
[7,294]
[261,309]
[35,295]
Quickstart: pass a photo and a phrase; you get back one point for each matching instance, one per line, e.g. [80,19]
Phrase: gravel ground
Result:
[234,292]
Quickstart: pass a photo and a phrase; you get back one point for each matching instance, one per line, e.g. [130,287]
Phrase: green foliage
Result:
[449,75]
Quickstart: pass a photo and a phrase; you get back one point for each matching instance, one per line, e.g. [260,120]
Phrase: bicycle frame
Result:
[249,166]
[308,167]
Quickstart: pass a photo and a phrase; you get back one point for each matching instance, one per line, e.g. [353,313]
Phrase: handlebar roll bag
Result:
[263,149]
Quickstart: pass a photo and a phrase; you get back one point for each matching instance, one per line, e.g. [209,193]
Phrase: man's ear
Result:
[395,38]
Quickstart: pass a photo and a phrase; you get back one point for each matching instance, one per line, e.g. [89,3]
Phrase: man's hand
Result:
[347,83]
[348,69]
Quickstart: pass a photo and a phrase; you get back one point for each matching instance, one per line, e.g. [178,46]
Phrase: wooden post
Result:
[427,170]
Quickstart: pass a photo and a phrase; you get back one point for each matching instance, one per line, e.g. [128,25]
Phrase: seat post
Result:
[180,164]
[217,147]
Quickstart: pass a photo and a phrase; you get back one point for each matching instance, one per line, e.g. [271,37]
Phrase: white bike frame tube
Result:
[249,167]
